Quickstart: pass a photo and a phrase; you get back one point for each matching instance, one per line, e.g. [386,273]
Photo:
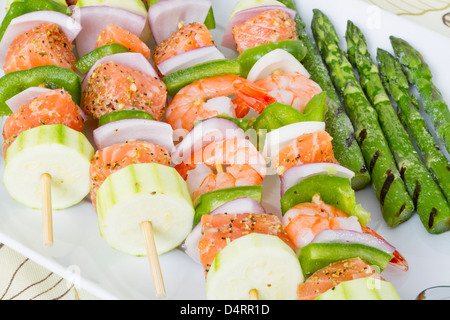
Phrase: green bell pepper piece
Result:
[249,57]
[278,115]
[179,79]
[19,8]
[122,115]
[333,190]
[210,21]
[52,77]
[316,256]
[316,109]
[207,202]
[85,63]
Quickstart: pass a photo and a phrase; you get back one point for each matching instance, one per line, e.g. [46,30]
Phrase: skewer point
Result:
[254,294]
[219,168]
[47,221]
[153,259]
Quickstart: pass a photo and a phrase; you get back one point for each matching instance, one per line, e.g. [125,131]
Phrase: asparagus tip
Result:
[382,52]
[350,24]
[396,41]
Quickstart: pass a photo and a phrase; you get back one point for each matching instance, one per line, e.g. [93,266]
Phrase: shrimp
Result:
[223,164]
[307,148]
[190,103]
[305,220]
[291,88]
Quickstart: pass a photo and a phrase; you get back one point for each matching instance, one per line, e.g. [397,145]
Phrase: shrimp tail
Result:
[398,261]
[250,96]
[184,168]
[241,108]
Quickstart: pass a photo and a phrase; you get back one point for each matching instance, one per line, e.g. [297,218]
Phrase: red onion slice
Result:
[278,60]
[222,105]
[236,206]
[207,131]
[165,16]
[242,16]
[296,174]
[28,21]
[152,131]
[190,245]
[352,237]
[29,95]
[94,19]
[189,59]
[25,97]
[132,60]
[240,205]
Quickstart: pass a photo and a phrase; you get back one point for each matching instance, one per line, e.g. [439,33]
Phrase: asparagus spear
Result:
[396,204]
[426,194]
[397,86]
[338,124]
[419,74]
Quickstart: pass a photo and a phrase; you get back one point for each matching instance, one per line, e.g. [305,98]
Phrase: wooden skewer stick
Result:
[254,294]
[219,167]
[153,259]
[47,221]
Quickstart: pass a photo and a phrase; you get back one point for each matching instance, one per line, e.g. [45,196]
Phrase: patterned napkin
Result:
[433,14]
[22,279]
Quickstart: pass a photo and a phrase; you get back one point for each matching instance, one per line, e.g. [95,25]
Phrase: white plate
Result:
[81,255]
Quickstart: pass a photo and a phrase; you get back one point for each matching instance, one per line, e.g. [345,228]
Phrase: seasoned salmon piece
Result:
[188,37]
[113,87]
[43,45]
[329,277]
[113,158]
[307,148]
[267,27]
[220,229]
[52,107]
[114,34]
